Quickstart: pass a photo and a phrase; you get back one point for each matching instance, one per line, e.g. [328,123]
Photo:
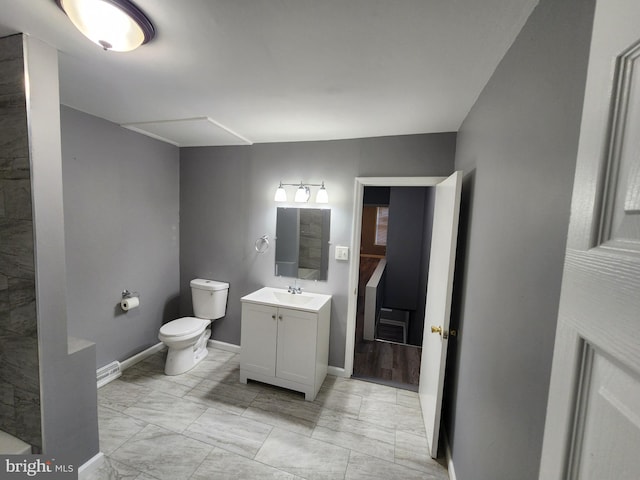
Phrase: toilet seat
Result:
[183,326]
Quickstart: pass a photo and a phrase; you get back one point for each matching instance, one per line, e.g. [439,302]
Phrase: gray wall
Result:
[517,148]
[226,203]
[67,381]
[408,253]
[404,247]
[64,421]
[121,206]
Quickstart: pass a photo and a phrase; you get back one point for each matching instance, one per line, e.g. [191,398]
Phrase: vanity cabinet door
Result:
[258,334]
[296,351]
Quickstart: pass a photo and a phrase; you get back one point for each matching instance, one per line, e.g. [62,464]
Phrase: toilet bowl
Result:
[186,337]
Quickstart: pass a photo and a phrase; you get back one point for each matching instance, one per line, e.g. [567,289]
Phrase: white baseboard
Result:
[131,361]
[452,471]
[158,347]
[228,347]
[336,371]
[90,466]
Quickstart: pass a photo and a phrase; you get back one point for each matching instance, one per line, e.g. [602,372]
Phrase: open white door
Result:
[438,308]
[592,429]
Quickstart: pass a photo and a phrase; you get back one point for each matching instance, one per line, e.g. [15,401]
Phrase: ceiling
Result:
[227,72]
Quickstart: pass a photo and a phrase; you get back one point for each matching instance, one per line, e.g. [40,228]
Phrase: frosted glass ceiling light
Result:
[281,195]
[113,24]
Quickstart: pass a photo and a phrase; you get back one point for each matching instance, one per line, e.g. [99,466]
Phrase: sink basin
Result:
[296,299]
[279,297]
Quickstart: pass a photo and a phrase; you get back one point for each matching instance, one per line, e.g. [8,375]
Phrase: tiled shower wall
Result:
[19,371]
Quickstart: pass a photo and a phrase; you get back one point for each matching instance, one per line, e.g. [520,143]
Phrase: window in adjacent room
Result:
[382,220]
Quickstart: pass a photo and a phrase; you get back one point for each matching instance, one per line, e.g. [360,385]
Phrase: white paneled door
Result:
[438,308]
[592,430]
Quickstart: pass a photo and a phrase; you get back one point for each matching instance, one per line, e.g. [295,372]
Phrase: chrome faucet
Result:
[294,290]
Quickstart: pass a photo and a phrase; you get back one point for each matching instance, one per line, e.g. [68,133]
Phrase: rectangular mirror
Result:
[302,243]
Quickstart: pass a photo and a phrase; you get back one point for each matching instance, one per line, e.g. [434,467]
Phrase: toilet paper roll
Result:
[128,303]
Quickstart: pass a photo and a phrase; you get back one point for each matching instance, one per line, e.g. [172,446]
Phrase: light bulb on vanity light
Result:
[281,194]
[322,196]
[302,194]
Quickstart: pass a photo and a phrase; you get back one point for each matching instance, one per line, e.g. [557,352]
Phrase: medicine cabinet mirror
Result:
[302,243]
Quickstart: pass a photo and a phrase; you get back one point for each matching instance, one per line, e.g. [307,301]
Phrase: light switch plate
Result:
[342,253]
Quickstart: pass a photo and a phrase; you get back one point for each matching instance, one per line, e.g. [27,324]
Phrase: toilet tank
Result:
[209,298]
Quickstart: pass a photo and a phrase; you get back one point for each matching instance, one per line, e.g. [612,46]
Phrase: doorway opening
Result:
[395,245]
[440,285]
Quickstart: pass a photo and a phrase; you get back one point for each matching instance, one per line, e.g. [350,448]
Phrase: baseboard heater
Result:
[108,373]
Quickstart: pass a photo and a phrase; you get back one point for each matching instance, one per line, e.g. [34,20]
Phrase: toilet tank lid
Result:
[204,284]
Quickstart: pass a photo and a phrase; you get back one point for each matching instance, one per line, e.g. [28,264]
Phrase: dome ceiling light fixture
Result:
[116,25]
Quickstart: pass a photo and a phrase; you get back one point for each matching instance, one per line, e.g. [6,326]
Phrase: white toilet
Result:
[187,337]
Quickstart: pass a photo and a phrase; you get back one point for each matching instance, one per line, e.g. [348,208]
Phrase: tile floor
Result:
[206,425]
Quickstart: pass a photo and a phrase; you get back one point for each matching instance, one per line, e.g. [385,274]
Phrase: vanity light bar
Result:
[303,192]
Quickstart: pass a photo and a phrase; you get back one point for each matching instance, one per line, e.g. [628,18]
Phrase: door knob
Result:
[442,332]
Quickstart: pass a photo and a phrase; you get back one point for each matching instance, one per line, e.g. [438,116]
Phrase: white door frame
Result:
[356,232]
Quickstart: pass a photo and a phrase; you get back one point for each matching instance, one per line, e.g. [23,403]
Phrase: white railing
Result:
[374,294]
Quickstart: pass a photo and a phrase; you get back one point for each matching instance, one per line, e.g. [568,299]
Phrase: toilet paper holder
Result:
[127,294]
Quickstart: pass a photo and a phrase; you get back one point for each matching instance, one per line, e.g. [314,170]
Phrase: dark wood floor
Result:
[385,362]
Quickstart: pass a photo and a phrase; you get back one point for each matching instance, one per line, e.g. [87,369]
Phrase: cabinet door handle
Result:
[280,317]
[273,316]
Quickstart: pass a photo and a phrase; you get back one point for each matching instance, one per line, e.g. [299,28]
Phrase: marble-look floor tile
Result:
[366,467]
[378,427]
[175,385]
[280,420]
[284,410]
[356,435]
[153,364]
[339,401]
[392,416]
[229,431]
[162,454]
[331,380]
[214,400]
[288,402]
[217,355]
[303,456]
[223,465]
[228,372]
[216,388]
[413,451]
[206,368]
[114,470]
[119,395]
[166,411]
[116,428]
[408,399]
[371,391]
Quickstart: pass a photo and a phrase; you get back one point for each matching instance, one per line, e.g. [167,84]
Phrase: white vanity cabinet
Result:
[284,343]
